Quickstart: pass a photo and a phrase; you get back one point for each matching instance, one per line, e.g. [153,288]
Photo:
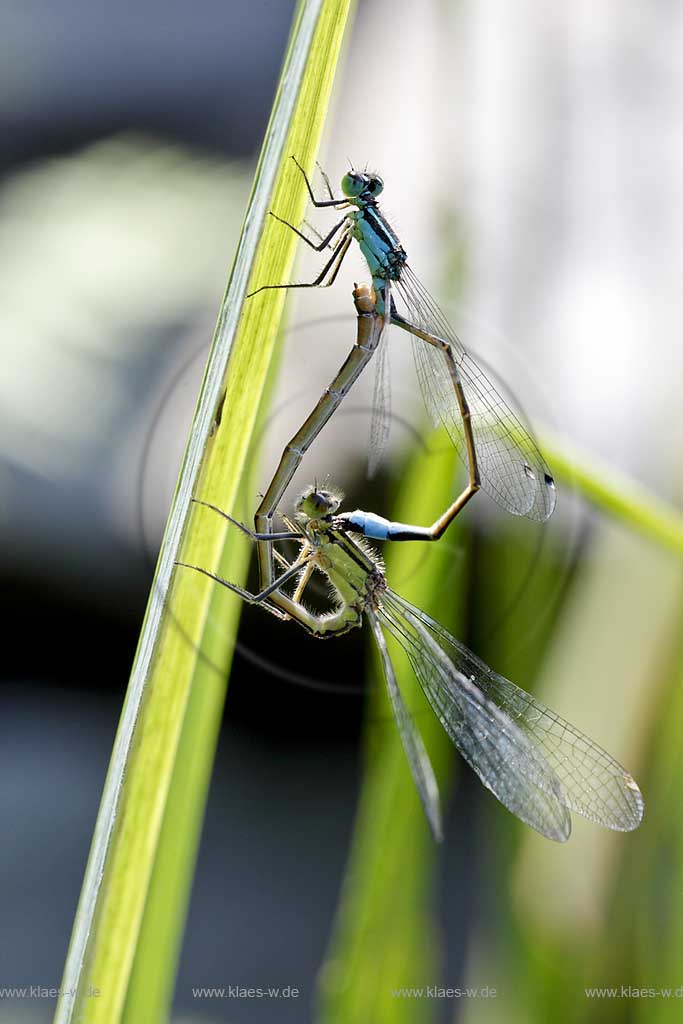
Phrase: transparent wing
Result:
[418,758]
[511,467]
[594,783]
[380,424]
[504,758]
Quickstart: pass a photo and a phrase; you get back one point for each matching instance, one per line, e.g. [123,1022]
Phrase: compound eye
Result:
[352,184]
[328,502]
[375,186]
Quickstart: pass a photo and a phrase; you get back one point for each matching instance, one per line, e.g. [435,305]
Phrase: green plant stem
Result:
[179,652]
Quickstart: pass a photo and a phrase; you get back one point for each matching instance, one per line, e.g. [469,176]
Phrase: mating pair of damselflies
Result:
[500,455]
[539,766]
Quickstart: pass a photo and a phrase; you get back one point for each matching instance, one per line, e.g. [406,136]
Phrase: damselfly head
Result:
[359,185]
[318,503]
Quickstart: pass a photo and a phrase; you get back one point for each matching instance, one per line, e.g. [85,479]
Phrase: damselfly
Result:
[509,465]
[538,765]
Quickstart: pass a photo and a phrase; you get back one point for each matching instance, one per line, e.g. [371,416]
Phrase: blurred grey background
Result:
[532,156]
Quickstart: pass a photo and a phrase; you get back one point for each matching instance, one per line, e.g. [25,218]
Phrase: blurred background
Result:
[532,158]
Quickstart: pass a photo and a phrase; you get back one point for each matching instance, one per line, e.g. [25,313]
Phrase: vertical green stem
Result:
[179,656]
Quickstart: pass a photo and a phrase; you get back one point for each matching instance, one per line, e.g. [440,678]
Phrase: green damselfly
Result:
[537,764]
[510,467]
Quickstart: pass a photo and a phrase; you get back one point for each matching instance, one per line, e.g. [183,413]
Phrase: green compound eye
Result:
[353,184]
[315,503]
[374,186]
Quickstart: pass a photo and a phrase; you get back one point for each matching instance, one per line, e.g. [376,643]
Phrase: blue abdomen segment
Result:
[377,528]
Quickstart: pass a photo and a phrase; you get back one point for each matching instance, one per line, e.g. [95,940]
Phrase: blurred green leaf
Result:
[655,870]
[384,937]
[623,498]
[567,918]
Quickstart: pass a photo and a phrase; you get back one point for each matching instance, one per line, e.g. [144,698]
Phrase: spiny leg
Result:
[331,266]
[324,242]
[287,607]
[280,558]
[303,582]
[269,537]
[246,595]
[261,539]
[325,179]
[219,579]
[320,202]
[313,229]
